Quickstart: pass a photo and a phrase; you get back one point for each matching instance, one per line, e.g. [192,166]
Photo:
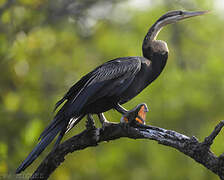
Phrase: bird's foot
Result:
[104,121]
[135,116]
[90,122]
[91,128]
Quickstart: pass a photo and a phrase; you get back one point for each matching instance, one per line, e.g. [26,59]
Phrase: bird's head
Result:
[168,18]
[174,16]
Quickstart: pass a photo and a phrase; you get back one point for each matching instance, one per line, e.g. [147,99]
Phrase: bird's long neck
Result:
[156,51]
[151,45]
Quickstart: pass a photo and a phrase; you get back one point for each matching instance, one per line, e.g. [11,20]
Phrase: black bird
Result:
[110,85]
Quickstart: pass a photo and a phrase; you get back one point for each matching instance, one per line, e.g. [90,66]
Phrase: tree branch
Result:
[190,146]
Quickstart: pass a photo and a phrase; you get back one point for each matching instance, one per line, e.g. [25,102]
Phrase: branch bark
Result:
[92,136]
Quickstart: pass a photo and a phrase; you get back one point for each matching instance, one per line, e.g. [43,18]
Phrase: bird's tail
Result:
[41,146]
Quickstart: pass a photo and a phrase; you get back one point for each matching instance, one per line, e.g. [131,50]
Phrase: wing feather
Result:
[109,79]
[113,78]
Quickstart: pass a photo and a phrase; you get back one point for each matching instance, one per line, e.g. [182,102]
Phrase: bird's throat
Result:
[158,46]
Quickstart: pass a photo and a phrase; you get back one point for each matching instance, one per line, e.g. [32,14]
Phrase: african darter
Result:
[110,85]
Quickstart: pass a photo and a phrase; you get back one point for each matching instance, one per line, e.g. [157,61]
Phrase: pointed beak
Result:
[192,14]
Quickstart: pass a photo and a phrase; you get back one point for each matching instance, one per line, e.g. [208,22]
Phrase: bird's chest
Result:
[148,73]
[138,84]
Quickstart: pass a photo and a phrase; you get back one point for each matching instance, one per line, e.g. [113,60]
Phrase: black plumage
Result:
[109,85]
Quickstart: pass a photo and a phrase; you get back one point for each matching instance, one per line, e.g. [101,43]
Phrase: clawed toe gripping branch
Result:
[92,136]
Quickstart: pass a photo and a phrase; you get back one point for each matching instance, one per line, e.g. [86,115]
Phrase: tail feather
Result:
[60,136]
[40,147]
[50,127]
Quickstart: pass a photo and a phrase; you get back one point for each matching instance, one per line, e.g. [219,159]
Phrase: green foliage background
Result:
[42,55]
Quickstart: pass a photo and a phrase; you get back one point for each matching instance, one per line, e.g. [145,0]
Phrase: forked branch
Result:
[92,136]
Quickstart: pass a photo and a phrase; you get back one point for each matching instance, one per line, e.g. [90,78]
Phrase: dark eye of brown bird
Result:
[109,86]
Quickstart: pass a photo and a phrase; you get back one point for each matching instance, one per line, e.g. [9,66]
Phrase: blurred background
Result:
[47,45]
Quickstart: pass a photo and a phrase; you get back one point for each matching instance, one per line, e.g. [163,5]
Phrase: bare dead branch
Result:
[190,146]
[209,140]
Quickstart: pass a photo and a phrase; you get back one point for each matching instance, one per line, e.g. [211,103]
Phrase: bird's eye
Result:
[181,12]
